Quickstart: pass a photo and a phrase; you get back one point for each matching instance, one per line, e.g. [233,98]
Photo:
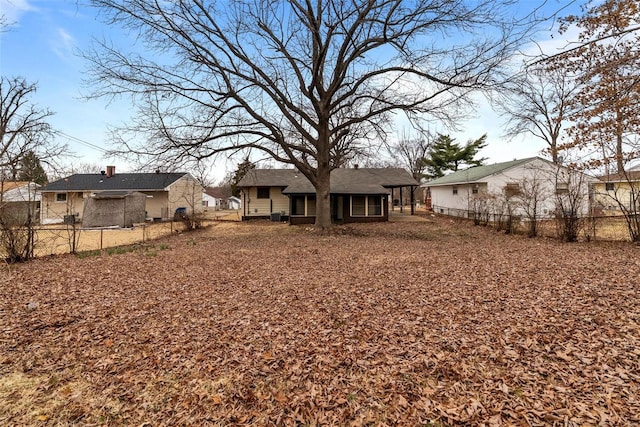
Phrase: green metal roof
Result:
[477,173]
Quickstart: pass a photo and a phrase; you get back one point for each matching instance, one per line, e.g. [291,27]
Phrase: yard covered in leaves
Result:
[431,323]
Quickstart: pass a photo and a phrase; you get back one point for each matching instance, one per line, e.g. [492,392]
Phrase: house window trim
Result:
[261,197]
[454,190]
[609,186]
[366,206]
[66,197]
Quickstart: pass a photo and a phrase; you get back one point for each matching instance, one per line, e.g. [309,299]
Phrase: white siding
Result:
[445,201]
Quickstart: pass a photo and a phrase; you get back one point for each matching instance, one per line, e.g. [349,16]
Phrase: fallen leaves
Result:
[378,324]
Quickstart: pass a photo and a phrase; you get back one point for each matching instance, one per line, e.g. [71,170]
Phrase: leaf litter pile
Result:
[431,323]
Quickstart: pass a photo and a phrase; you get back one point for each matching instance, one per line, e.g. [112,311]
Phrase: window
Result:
[512,189]
[474,189]
[375,206]
[297,205]
[358,204]
[366,206]
[61,197]
[263,192]
[455,190]
[311,205]
[609,186]
[562,188]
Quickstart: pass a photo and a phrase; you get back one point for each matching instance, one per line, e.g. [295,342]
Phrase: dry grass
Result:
[430,323]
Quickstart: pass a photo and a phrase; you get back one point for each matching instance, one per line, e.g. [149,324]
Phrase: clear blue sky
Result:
[43,43]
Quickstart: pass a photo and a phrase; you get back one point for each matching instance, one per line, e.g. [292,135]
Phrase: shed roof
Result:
[343,180]
[120,181]
[477,173]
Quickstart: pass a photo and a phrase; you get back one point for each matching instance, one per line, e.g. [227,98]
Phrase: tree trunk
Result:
[619,153]
[323,199]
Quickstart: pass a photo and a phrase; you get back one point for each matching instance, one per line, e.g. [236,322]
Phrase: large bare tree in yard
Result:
[537,102]
[310,83]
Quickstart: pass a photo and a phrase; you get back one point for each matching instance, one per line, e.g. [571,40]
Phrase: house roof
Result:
[215,192]
[20,191]
[10,185]
[477,173]
[120,181]
[630,175]
[343,180]
[268,178]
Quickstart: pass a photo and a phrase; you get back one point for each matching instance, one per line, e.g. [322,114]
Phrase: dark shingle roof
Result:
[268,177]
[120,181]
[343,181]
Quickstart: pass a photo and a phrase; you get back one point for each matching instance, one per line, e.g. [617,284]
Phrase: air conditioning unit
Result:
[275,216]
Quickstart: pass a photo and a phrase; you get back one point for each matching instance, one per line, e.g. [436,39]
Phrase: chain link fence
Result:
[592,227]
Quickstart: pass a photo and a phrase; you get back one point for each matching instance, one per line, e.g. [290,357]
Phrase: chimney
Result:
[111,171]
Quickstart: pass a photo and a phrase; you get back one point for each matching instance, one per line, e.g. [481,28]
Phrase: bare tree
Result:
[531,197]
[411,151]
[571,202]
[310,84]
[25,135]
[23,126]
[623,191]
[537,102]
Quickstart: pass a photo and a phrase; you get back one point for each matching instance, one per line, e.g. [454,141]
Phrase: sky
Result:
[46,36]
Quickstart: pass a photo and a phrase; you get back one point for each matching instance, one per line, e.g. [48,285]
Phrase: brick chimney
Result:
[111,171]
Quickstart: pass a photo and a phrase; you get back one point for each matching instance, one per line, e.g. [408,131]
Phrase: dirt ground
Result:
[411,323]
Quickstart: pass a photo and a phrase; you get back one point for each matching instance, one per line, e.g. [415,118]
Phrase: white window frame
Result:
[66,197]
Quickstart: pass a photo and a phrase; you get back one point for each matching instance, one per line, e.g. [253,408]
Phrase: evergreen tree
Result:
[448,156]
[245,166]
[30,169]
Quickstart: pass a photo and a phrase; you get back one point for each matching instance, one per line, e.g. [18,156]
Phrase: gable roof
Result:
[343,180]
[477,173]
[215,192]
[120,181]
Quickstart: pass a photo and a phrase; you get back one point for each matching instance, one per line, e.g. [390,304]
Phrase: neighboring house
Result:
[165,192]
[18,200]
[515,182]
[213,198]
[234,203]
[356,195]
[614,193]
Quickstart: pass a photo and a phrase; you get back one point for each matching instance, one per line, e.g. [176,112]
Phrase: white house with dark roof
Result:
[458,193]
[356,195]
[165,192]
